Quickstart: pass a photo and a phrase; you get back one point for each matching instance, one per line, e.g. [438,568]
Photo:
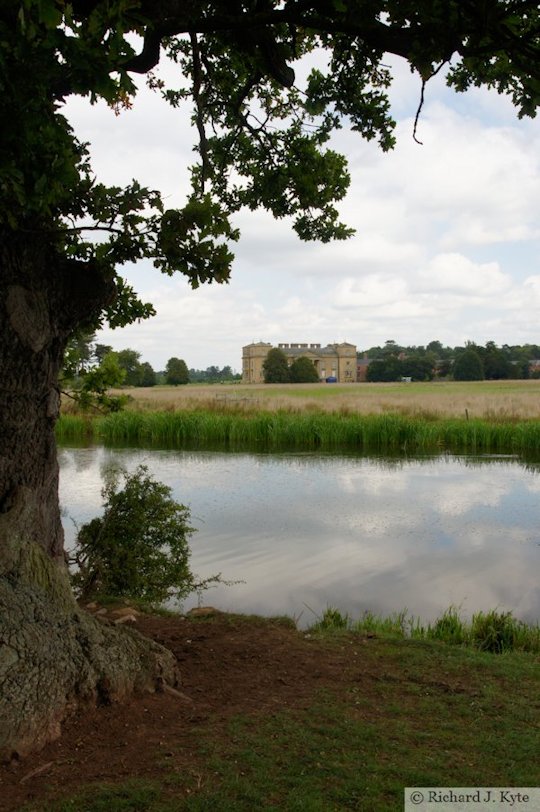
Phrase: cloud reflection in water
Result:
[308,530]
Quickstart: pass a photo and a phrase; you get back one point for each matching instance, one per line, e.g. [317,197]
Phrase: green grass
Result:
[132,796]
[310,431]
[494,632]
[412,713]
[338,757]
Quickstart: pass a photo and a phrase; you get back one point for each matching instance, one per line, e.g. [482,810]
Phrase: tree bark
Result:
[52,655]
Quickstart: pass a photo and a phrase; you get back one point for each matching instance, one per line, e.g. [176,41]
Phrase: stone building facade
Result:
[333,361]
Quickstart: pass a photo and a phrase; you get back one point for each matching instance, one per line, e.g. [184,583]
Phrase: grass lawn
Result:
[341,721]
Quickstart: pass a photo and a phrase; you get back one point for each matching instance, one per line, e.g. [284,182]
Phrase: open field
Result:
[499,400]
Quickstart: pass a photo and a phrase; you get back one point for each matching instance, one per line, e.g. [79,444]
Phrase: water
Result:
[305,531]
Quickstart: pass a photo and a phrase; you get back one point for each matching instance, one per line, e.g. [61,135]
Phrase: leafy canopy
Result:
[89,372]
[276,367]
[262,134]
[176,372]
[468,366]
[302,370]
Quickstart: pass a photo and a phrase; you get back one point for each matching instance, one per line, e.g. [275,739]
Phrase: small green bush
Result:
[139,547]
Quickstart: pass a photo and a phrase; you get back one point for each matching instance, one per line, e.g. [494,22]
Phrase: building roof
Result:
[309,350]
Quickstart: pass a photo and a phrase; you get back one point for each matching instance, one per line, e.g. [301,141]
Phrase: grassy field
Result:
[395,714]
[510,400]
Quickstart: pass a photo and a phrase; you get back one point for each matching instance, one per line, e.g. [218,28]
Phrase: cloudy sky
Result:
[447,242]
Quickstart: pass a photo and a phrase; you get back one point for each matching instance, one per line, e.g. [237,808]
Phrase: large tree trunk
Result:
[52,655]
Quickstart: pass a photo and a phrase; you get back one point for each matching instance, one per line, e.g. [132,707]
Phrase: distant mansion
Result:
[333,361]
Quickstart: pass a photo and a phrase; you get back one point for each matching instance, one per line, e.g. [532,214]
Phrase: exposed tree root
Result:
[54,656]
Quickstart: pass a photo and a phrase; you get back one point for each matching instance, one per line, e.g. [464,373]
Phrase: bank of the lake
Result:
[270,718]
[279,430]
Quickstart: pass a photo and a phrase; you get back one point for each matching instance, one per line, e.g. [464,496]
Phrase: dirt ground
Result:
[245,666]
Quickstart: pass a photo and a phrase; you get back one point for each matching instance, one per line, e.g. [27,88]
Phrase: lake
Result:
[305,530]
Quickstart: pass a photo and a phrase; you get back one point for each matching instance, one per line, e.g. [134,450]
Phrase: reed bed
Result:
[75,428]
[327,431]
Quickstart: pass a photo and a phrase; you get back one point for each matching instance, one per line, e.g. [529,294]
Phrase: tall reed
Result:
[75,428]
[266,430]
[493,631]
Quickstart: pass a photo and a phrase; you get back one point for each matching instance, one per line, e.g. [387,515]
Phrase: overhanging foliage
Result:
[262,136]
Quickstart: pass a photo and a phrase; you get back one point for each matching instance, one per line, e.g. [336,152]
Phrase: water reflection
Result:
[308,530]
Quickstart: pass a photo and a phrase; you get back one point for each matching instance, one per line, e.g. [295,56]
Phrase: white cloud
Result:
[447,243]
[532,287]
[205,326]
[457,274]
[373,290]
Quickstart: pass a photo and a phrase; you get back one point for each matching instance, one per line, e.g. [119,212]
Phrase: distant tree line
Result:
[87,362]
[472,362]
[84,355]
[213,374]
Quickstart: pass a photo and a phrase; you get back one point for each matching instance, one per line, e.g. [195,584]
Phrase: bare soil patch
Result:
[406,711]
[229,666]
